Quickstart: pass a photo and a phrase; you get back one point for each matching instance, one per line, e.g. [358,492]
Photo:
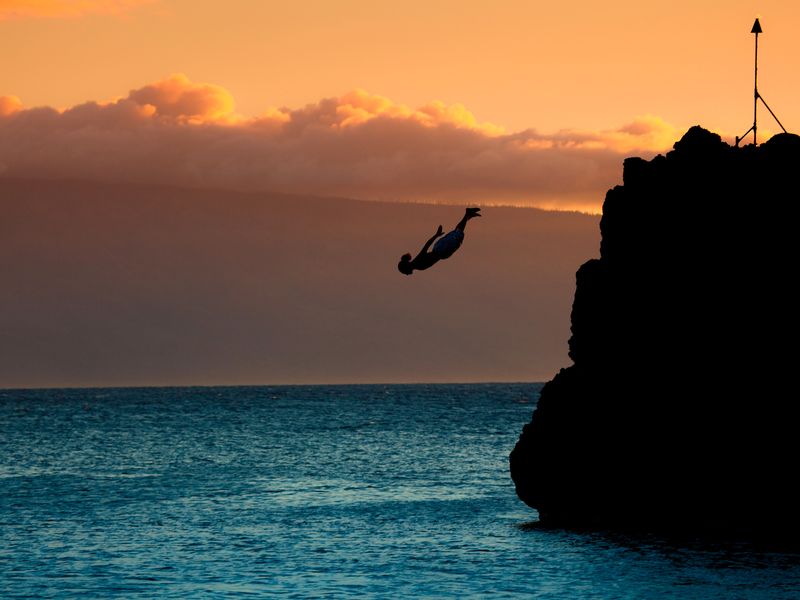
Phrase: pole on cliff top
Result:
[756,96]
[755,30]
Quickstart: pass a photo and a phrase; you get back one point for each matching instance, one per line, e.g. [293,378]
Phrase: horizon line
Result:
[261,385]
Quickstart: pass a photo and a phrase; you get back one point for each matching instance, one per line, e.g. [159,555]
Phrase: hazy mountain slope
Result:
[124,284]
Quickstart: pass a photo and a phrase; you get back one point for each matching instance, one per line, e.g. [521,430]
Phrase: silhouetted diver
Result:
[444,248]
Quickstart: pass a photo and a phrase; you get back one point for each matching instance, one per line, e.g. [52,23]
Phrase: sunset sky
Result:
[508,102]
[179,179]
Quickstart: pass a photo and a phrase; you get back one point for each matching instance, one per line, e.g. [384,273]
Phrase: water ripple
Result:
[304,491]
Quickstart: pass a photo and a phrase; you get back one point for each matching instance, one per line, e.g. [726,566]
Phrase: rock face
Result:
[680,408]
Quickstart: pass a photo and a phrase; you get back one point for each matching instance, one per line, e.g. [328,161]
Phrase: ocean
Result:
[313,491]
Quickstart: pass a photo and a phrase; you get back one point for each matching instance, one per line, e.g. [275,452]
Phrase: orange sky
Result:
[577,64]
[611,78]
[442,102]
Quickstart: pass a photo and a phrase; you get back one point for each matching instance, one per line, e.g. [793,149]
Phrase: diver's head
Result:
[404,266]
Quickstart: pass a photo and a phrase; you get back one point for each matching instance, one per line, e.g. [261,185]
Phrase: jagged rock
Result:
[680,408]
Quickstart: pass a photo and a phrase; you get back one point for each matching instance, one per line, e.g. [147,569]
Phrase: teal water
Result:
[368,491]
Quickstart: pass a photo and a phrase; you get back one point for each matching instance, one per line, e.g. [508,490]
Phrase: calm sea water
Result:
[376,491]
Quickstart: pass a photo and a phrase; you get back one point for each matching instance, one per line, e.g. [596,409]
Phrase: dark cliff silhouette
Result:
[680,409]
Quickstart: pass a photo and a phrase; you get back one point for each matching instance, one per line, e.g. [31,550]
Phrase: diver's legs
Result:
[468,214]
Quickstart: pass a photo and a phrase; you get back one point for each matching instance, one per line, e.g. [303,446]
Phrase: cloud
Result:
[358,145]
[178,97]
[9,105]
[19,9]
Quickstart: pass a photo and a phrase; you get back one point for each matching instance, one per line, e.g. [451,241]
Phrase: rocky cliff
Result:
[680,408]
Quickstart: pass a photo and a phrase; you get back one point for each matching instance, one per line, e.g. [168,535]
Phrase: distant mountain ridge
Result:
[122,284]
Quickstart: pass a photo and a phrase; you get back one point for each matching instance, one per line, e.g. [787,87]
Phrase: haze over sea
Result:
[373,490]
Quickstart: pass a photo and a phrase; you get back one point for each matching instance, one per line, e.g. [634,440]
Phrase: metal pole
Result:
[755,96]
[774,116]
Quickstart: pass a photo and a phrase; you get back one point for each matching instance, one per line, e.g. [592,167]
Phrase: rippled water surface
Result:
[384,491]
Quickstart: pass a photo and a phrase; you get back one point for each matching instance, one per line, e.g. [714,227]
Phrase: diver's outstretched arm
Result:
[439,233]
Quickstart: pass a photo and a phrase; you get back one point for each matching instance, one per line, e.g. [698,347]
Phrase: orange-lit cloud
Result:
[358,107]
[9,105]
[178,97]
[358,145]
[17,9]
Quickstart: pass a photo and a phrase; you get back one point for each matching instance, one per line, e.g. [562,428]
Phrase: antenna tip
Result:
[756,27]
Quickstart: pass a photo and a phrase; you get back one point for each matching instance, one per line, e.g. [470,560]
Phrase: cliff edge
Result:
[680,407]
